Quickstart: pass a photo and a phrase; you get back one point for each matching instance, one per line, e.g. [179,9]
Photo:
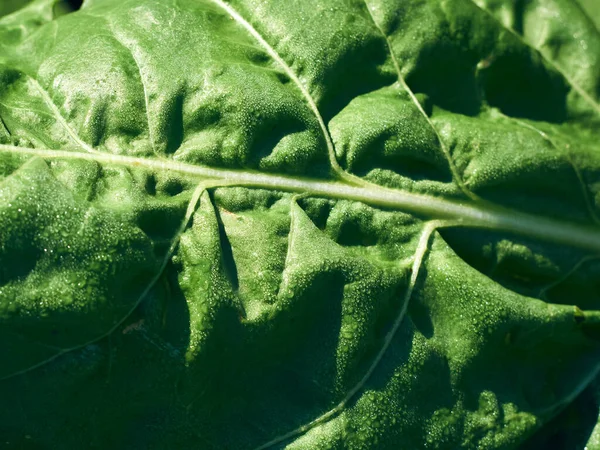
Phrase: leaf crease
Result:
[582,92]
[58,116]
[455,174]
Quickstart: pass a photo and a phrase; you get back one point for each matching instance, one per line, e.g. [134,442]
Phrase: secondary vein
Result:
[582,92]
[188,215]
[455,174]
[290,73]
[84,145]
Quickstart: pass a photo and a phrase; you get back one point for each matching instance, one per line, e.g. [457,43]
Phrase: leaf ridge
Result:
[542,293]
[453,169]
[337,169]
[420,252]
[139,68]
[582,92]
[584,192]
[59,117]
[22,108]
[188,215]
[290,244]
[581,386]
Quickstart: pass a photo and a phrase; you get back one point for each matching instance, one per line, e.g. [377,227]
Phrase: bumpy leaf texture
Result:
[316,224]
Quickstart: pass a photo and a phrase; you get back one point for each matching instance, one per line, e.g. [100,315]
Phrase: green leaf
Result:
[311,224]
[592,9]
[9,6]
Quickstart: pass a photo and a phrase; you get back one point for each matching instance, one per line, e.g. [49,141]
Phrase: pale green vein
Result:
[188,215]
[455,174]
[30,110]
[305,93]
[146,98]
[419,255]
[472,214]
[60,119]
[584,192]
[565,276]
[582,92]
[575,392]
[136,61]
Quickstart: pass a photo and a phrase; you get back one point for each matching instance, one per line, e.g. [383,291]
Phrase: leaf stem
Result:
[484,215]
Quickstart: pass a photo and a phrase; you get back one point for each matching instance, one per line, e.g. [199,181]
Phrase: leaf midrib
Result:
[481,214]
